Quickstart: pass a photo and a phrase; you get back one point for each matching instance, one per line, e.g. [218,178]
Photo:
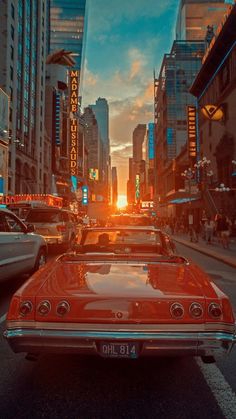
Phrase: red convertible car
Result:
[122,293]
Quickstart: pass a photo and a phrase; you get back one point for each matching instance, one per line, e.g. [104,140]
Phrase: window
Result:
[12,52]
[12,11]
[12,32]
[11,73]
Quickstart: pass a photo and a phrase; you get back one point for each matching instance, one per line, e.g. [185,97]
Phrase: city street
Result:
[85,387]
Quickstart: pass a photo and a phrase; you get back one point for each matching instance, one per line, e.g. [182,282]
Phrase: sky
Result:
[126,41]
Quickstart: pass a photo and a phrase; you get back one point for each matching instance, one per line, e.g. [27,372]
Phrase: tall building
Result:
[24,40]
[137,166]
[67,33]
[101,112]
[68,28]
[195,15]
[178,70]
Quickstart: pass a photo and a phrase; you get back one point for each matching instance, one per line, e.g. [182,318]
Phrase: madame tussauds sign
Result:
[74,88]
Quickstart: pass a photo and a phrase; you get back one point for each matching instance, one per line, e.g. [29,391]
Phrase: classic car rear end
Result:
[116,307]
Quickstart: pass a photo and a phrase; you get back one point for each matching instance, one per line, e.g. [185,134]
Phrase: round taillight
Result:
[63,308]
[25,308]
[215,310]
[196,310]
[44,307]
[177,310]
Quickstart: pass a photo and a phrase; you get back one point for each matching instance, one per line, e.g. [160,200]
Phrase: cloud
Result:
[126,41]
[123,10]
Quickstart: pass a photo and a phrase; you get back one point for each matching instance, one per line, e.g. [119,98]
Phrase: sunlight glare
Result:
[122,201]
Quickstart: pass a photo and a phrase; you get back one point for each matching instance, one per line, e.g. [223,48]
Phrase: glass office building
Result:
[195,15]
[68,28]
[179,69]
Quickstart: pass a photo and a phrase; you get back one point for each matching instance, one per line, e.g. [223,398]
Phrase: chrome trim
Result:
[172,327]
[150,343]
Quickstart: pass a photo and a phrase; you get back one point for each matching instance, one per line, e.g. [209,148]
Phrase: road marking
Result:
[224,395]
[3,318]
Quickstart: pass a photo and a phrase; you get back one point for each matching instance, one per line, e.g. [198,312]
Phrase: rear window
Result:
[145,237]
[131,220]
[44,217]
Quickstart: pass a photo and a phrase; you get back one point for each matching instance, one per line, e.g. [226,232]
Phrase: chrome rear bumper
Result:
[149,343]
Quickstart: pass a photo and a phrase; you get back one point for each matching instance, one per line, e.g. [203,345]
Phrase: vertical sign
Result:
[57,117]
[137,187]
[151,128]
[192,131]
[74,88]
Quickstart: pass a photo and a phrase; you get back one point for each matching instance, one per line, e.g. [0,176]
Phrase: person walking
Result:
[209,229]
[225,232]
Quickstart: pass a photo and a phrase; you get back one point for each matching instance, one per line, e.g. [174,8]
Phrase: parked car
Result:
[57,226]
[21,250]
[121,304]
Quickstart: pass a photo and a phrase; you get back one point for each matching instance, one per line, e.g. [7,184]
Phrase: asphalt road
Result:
[83,387]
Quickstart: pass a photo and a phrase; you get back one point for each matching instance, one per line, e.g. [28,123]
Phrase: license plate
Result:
[119,350]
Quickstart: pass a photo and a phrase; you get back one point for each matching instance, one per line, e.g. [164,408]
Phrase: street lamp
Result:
[188,174]
[222,188]
[203,166]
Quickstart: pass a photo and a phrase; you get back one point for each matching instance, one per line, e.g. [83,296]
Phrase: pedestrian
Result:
[218,229]
[225,231]
[209,229]
[192,232]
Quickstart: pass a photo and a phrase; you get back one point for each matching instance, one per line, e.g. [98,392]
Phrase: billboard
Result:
[93,174]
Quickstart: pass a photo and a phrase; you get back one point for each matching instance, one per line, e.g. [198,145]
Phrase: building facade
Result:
[172,96]
[215,89]
[195,15]
[24,38]
[101,112]
[68,28]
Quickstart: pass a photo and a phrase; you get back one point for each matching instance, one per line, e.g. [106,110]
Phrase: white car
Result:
[21,251]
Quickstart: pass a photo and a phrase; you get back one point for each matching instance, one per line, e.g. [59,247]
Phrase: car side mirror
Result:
[30,228]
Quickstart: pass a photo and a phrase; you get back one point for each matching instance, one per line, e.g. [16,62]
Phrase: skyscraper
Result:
[24,46]
[195,15]
[68,28]
[101,112]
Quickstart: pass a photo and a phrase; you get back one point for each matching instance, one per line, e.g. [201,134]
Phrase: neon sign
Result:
[192,131]
[74,88]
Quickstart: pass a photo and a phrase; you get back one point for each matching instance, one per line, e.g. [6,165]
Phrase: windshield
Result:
[43,217]
[130,220]
[111,237]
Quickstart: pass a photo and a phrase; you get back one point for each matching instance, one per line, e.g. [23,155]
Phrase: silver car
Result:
[57,226]
[21,251]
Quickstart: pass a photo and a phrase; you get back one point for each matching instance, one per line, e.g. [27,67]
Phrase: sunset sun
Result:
[122,201]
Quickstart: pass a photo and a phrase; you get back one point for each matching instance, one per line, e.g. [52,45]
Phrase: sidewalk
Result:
[214,250]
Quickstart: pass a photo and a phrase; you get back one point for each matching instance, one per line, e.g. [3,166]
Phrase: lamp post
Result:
[203,166]
[189,175]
